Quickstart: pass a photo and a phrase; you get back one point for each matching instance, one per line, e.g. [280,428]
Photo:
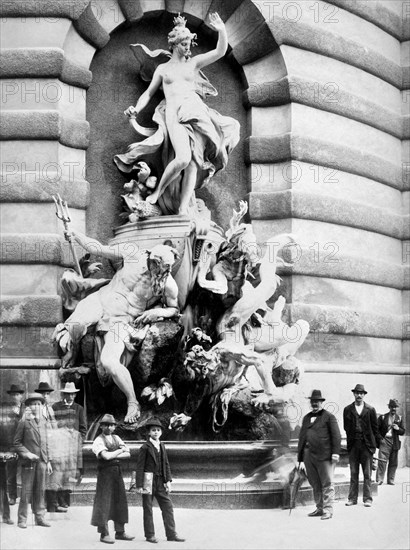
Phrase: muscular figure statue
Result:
[141,292]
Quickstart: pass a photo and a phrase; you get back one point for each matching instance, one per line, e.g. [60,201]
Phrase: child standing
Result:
[153,479]
[110,502]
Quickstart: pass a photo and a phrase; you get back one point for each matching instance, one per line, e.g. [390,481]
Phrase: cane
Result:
[63,215]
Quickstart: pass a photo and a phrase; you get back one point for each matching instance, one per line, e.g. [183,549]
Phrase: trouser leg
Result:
[4,501]
[167,509]
[11,468]
[27,479]
[103,529]
[393,463]
[354,463]
[384,453]
[314,479]
[325,469]
[38,501]
[366,462]
[149,530]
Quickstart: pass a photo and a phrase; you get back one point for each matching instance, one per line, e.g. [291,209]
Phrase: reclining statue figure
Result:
[141,292]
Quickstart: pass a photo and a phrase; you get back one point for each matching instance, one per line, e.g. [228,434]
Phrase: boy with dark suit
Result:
[390,427]
[362,438]
[318,452]
[152,459]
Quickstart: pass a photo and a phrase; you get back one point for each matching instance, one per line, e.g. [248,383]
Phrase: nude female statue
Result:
[200,137]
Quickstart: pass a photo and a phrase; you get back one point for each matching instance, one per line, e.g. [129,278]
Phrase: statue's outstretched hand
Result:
[216,22]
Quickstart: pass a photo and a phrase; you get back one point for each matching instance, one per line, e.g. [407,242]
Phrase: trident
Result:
[64,216]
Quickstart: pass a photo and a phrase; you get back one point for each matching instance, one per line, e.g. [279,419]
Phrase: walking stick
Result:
[63,214]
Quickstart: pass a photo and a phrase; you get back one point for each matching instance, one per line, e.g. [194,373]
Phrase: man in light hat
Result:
[362,438]
[318,453]
[110,501]
[30,442]
[141,292]
[72,423]
[390,427]
[13,412]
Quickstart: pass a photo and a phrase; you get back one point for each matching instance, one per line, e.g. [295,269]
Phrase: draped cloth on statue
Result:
[212,136]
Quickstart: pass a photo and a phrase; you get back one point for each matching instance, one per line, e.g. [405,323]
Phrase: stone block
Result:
[43,8]
[268,121]
[242,23]
[77,50]
[108,14]
[31,310]
[89,28]
[35,218]
[29,279]
[34,32]
[27,347]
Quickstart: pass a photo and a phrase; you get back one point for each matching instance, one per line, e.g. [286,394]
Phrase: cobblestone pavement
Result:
[383,526]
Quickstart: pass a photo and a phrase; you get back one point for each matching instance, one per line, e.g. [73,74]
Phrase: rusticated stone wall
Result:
[326,89]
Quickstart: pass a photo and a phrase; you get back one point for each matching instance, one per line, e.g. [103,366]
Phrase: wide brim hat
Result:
[316,396]
[14,388]
[108,419]
[69,388]
[393,403]
[34,396]
[153,422]
[43,386]
[359,387]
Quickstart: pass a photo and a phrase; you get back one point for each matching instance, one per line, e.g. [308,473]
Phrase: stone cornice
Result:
[49,125]
[27,187]
[298,204]
[42,62]
[301,90]
[283,147]
[351,268]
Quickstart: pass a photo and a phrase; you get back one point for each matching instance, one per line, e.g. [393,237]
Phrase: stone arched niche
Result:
[116,84]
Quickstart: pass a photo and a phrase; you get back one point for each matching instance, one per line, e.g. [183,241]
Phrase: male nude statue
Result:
[141,292]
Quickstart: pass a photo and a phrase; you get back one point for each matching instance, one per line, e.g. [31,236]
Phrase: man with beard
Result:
[141,292]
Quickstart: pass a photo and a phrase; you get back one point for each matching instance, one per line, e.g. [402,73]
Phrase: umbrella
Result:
[291,489]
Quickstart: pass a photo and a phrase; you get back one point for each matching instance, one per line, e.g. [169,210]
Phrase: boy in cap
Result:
[153,479]
[318,452]
[110,501]
[30,442]
[390,427]
[362,438]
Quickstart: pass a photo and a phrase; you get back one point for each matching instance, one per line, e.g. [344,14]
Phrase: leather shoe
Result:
[391,483]
[61,509]
[12,501]
[380,483]
[175,539]
[123,536]
[151,539]
[326,515]
[315,513]
[350,503]
[22,525]
[42,523]
[107,539]
[8,521]
[368,504]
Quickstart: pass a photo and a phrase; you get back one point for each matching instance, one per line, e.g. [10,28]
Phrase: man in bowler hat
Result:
[390,427]
[30,442]
[318,452]
[362,436]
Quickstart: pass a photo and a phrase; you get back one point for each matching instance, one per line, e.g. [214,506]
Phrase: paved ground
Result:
[384,526]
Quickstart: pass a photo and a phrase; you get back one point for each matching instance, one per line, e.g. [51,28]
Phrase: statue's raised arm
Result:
[195,140]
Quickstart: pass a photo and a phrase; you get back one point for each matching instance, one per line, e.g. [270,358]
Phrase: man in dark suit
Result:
[30,442]
[11,414]
[362,435]
[72,422]
[390,427]
[318,452]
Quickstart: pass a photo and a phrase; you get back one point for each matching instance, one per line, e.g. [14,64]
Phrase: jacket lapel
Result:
[153,451]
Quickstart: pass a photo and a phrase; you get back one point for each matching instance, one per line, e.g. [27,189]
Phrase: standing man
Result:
[30,442]
[14,414]
[390,427]
[45,390]
[362,434]
[71,421]
[318,452]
